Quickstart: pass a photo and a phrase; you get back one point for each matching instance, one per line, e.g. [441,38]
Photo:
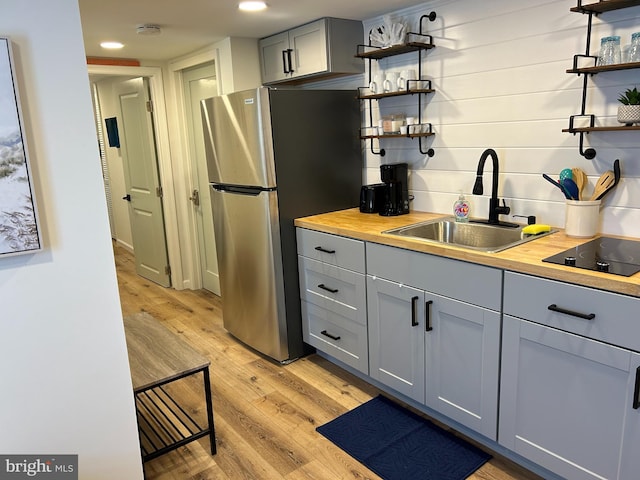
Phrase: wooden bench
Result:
[158,357]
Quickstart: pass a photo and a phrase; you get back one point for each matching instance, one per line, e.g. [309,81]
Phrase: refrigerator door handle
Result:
[242,190]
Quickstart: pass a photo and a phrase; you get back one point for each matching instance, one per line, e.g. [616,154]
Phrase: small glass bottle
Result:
[610,53]
[461,209]
[634,50]
[602,52]
[616,51]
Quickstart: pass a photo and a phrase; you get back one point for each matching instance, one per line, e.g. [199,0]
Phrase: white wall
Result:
[64,379]
[499,70]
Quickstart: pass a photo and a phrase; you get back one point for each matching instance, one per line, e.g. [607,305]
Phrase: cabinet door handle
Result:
[414,312]
[320,249]
[327,334]
[636,391]
[427,314]
[328,289]
[284,62]
[290,60]
[586,316]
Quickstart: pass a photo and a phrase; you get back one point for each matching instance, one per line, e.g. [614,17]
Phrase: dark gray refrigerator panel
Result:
[301,149]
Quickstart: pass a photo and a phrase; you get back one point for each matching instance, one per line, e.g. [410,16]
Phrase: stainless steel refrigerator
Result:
[274,155]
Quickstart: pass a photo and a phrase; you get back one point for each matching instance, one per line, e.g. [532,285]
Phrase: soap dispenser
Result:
[461,209]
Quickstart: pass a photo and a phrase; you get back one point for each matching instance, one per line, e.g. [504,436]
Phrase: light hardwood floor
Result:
[265,413]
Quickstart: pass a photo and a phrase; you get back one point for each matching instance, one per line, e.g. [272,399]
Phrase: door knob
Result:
[127,197]
[195,197]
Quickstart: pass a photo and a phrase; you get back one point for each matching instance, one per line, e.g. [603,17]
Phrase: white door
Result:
[142,180]
[199,83]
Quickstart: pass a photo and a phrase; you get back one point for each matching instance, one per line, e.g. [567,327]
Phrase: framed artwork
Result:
[19,230]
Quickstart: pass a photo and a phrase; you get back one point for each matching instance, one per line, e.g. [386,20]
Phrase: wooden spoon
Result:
[604,183]
[581,180]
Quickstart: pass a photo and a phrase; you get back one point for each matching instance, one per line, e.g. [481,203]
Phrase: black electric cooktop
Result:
[604,254]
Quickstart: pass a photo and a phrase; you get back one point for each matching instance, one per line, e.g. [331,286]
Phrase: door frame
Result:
[192,274]
[167,179]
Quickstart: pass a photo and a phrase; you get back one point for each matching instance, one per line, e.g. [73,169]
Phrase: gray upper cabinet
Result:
[322,48]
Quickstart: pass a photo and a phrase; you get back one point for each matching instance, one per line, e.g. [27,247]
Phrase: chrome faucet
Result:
[494,203]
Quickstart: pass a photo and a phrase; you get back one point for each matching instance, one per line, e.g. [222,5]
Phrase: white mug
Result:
[391,82]
[405,76]
[375,85]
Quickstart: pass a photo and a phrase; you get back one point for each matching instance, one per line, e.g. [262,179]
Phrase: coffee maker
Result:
[394,177]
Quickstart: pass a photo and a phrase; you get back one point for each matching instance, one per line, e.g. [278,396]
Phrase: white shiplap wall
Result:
[499,70]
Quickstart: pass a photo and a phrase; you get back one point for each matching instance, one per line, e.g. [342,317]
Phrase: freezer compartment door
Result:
[251,276]
[238,138]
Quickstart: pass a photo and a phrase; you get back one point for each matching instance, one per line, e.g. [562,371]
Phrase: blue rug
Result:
[398,444]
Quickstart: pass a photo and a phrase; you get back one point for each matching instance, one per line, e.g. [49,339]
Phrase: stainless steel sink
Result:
[474,236]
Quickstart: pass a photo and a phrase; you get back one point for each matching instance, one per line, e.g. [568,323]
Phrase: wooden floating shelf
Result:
[605,6]
[601,129]
[605,68]
[396,94]
[382,52]
[397,135]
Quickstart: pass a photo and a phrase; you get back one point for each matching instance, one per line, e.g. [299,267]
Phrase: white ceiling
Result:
[189,25]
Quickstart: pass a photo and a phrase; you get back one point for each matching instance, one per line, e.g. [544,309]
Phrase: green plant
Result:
[630,97]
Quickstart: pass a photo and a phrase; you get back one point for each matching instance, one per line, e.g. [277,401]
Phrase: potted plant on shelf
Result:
[629,111]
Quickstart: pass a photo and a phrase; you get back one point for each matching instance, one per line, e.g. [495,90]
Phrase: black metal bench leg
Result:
[207,394]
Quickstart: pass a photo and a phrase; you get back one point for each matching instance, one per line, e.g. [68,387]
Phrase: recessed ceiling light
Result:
[112,45]
[252,6]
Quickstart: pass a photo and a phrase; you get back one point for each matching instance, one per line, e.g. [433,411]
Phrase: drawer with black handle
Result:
[335,335]
[332,249]
[596,314]
[336,289]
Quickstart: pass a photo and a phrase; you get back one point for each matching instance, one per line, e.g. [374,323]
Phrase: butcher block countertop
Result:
[524,258]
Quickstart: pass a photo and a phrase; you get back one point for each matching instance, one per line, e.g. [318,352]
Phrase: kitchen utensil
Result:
[566,173]
[604,183]
[616,179]
[571,187]
[375,85]
[616,172]
[557,184]
[406,76]
[581,180]
[390,83]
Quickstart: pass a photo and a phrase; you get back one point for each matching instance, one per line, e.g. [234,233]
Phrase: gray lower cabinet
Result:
[462,363]
[333,296]
[451,335]
[568,400]
[396,338]
[440,351]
